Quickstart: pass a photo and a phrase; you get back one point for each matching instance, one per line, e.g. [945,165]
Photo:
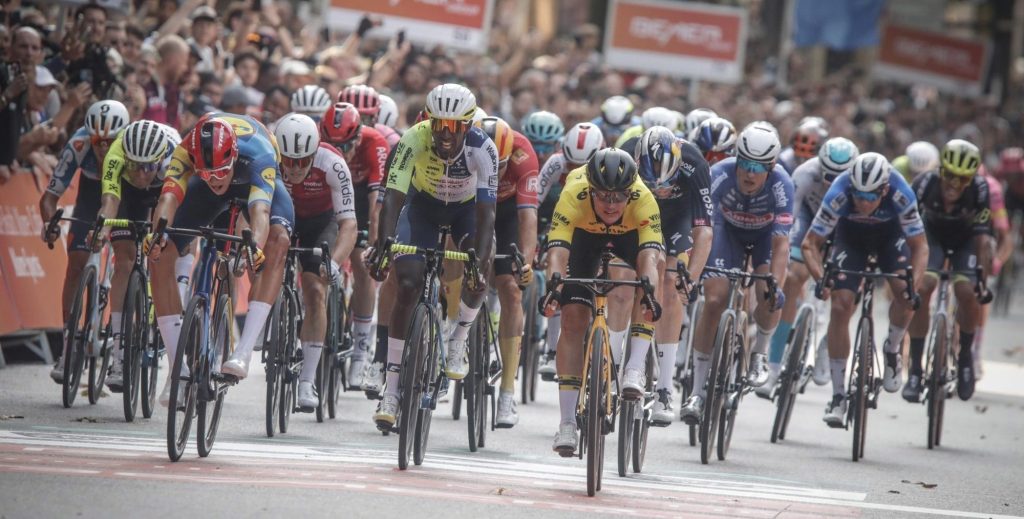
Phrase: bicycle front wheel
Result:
[717,381]
[473,385]
[220,342]
[431,372]
[98,366]
[643,416]
[687,382]
[792,371]
[181,411]
[863,382]
[275,365]
[595,399]
[154,347]
[77,333]
[134,336]
[530,342]
[937,378]
[626,424]
[419,340]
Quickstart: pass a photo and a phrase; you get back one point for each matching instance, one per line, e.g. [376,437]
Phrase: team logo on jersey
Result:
[78,144]
[784,219]
[781,200]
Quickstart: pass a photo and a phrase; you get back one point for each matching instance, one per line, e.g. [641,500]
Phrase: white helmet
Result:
[697,116]
[837,155]
[311,99]
[680,127]
[921,157]
[106,118]
[658,116]
[298,136]
[581,142]
[388,115]
[147,141]
[451,101]
[759,142]
[616,110]
[479,115]
[870,172]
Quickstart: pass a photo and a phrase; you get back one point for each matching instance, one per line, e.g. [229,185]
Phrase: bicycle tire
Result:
[716,387]
[792,371]
[154,346]
[937,351]
[220,341]
[413,358]
[289,375]
[431,372]
[133,343]
[178,428]
[595,406]
[336,367]
[324,371]
[727,422]
[456,400]
[687,385]
[864,380]
[98,366]
[625,432]
[643,417]
[77,330]
[274,367]
[474,382]
[529,358]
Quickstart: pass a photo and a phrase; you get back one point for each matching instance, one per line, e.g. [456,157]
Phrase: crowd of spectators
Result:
[174,60]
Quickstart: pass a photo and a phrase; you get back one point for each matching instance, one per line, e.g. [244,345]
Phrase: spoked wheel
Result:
[153,349]
[134,337]
[717,381]
[531,343]
[863,379]
[289,375]
[413,358]
[181,412]
[643,417]
[937,355]
[275,366]
[431,372]
[595,412]
[732,397]
[475,384]
[627,422]
[792,371]
[77,333]
[220,342]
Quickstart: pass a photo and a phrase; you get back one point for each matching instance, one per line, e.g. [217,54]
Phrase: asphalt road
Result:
[86,462]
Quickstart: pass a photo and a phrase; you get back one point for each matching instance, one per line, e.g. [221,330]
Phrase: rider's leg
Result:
[716,293]
[843,302]
[793,289]
[314,323]
[667,332]
[765,316]
[620,303]
[385,306]
[409,275]
[968,316]
[919,324]
[265,289]
[575,318]
[510,329]
[364,294]
[124,260]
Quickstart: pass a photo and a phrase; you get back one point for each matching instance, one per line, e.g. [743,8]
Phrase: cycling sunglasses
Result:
[544,148]
[146,167]
[610,197]
[349,145]
[302,163]
[957,180]
[752,166]
[452,125]
[867,196]
[215,174]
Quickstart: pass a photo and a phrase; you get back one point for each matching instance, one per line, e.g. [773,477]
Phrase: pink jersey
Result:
[389,134]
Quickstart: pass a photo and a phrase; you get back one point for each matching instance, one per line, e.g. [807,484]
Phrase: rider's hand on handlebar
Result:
[778,299]
[550,303]
[652,309]
[153,245]
[525,275]
[372,260]
[256,258]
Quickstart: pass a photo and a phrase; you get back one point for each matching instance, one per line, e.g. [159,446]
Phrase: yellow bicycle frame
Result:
[598,326]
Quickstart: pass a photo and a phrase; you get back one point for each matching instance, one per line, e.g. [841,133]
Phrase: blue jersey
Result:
[899,203]
[768,210]
[788,161]
[77,154]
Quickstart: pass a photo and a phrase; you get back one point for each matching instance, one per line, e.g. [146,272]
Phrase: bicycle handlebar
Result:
[601,287]
[748,279]
[908,277]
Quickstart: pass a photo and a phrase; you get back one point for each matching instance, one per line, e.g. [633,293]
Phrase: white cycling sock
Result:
[395,349]
[115,331]
[895,341]
[838,369]
[701,366]
[762,340]
[362,327]
[253,328]
[465,320]
[310,360]
[554,329]
[567,399]
[617,338]
[170,329]
[182,273]
[666,364]
[639,345]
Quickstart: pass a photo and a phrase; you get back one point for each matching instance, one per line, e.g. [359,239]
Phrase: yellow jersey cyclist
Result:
[920,158]
[225,157]
[448,171]
[955,207]
[84,152]
[133,175]
[603,203]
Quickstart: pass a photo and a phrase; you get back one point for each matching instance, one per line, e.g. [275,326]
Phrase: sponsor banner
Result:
[455,23]
[955,65]
[682,39]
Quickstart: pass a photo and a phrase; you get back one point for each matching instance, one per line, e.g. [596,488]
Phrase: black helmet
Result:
[611,169]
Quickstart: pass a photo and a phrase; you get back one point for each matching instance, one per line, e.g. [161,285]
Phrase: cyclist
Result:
[311,100]
[84,152]
[920,157]
[388,114]
[133,174]
[956,209]
[320,185]
[810,134]
[1003,251]
[679,177]
[455,184]
[716,139]
[616,116]
[753,197]
[225,157]
[603,203]
[366,99]
[811,181]
[872,212]
[654,116]
[579,145]
[365,152]
[1011,171]
[693,120]
[544,130]
[515,222]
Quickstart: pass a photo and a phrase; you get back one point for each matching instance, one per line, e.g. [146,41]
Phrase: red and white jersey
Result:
[328,187]
[370,156]
[520,177]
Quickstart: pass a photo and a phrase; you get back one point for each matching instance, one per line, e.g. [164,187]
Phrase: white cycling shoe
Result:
[237,365]
[507,415]
[307,397]
[458,359]
[373,379]
[566,440]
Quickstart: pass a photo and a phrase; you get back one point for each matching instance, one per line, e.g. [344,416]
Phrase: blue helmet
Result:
[658,157]
[543,127]
[836,156]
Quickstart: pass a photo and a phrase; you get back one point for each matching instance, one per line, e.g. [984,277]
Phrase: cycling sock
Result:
[182,273]
[778,344]
[568,395]
[115,331]
[701,366]
[640,336]
[466,317]
[666,364]
[554,329]
[310,360]
[978,338]
[965,359]
[509,361]
[762,339]
[838,369]
[170,328]
[396,347]
[617,339]
[894,342]
[916,352]
[453,296]
[362,327]
[253,328]
[381,353]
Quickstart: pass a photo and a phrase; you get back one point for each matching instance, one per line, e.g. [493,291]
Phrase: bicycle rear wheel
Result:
[77,333]
[220,342]
[642,419]
[275,365]
[595,399]
[626,425]
[937,352]
[413,358]
[475,382]
[687,382]
[134,335]
[181,413]
[863,381]
[793,368]
[713,404]
[530,342]
[153,348]
[734,395]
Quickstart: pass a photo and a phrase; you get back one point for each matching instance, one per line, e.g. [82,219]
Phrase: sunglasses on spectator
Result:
[752,166]
[215,174]
[957,180]
[452,125]
[302,163]
[867,196]
[610,197]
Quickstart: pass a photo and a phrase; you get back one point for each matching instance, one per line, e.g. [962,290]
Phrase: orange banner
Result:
[677,38]
[458,23]
[913,55]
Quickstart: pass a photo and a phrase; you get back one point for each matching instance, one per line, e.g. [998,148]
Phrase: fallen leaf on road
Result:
[982,436]
[980,409]
[922,484]
[894,491]
[500,491]
[1013,351]
[88,419]
[11,417]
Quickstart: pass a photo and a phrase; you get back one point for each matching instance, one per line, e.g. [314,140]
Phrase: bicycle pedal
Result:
[548,378]
[299,409]
[372,395]
[427,402]
[224,378]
